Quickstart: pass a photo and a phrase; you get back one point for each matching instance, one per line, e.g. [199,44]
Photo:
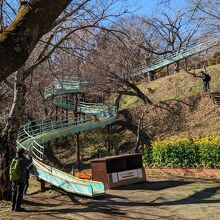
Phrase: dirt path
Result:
[153,200]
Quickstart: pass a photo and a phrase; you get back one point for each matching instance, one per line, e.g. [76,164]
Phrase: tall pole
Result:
[42,186]
[62,114]
[78,151]
[76,105]
[167,70]
[77,134]
[186,63]
[83,97]
[67,114]
[109,127]
[56,112]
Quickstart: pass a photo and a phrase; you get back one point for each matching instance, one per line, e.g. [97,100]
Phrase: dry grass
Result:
[189,112]
[180,85]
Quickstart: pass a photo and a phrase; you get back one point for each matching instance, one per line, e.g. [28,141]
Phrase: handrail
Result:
[70,78]
[29,135]
[34,134]
[106,108]
[185,51]
[33,129]
[48,126]
[51,92]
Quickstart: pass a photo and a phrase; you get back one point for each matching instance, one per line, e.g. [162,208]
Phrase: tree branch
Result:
[32,21]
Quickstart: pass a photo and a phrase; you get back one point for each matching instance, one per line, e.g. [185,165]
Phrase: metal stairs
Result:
[216,98]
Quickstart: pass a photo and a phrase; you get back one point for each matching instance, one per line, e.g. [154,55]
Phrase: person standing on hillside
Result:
[18,172]
[206,79]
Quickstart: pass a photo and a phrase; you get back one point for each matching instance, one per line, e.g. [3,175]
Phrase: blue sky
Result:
[140,7]
[150,7]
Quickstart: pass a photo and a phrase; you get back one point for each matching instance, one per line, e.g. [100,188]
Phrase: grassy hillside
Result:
[185,111]
[182,110]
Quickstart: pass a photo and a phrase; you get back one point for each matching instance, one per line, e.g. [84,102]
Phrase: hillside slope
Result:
[182,109]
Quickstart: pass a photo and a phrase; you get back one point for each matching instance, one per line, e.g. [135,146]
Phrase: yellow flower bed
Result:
[194,153]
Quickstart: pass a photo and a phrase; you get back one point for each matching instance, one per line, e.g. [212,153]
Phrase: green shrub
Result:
[147,156]
[210,155]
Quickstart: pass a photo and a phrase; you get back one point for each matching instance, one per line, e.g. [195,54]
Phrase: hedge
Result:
[184,153]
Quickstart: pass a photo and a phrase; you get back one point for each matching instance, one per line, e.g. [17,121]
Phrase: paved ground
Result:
[153,200]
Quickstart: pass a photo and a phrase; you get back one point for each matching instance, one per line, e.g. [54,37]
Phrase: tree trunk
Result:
[140,124]
[9,134]
[5,185]
[137,91]
[32,21]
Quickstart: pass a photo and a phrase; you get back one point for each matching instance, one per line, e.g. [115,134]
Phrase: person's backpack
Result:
[207,77]
[14,171]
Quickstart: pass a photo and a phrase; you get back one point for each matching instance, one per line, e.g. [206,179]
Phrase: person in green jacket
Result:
[18,172]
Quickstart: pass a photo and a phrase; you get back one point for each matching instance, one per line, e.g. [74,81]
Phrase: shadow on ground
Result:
[143,199]
[201,197]
[154,185]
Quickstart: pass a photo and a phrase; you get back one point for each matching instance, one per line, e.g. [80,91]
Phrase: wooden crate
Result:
[118,170]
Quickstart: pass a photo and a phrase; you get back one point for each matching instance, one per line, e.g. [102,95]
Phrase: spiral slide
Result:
[35,134]
[184,52]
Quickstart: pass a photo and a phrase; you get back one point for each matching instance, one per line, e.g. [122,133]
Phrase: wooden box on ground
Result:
[117,171]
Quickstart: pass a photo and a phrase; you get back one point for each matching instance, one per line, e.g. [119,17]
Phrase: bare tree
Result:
[112,59]
[77,19]
[208,10]
[169,33]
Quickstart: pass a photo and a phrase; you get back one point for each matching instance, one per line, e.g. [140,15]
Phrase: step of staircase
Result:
[216,98]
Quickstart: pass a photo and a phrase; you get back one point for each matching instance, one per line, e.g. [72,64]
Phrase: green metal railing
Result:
[101,109]
[66,85]
[35,134]
[191,49]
